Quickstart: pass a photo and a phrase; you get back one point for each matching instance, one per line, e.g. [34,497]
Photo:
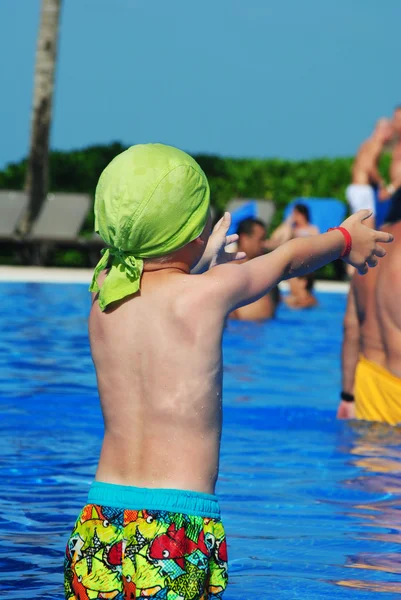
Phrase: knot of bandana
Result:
[125,271]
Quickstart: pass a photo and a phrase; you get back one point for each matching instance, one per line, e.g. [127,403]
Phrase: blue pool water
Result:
[311,505]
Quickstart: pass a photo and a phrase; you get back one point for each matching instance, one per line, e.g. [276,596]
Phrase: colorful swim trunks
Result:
[174,549]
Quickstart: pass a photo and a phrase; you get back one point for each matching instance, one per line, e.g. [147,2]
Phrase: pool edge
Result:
[67,275]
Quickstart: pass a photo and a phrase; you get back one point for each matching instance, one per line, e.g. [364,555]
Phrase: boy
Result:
[152,525]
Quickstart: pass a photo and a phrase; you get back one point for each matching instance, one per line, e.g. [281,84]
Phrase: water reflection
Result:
[376,451]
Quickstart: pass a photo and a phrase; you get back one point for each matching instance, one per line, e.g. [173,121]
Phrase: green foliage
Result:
[69,258]
[13,176]
[79,170]
[274,179]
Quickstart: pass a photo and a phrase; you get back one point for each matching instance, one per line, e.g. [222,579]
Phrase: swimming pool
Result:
[311,506]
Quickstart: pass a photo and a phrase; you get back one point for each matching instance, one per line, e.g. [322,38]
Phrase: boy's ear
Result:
[199,242]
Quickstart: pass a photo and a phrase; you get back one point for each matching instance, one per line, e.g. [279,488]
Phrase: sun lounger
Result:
[57,225]
[61,218]
[12,207]
[324,212]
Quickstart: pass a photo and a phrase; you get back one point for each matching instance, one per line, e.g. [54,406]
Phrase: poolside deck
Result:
[64,275]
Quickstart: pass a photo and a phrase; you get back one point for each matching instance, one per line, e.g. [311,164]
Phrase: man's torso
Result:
[378,301]
[388,300]
[262,309]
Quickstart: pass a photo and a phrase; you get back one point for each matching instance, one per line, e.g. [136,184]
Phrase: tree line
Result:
[273,179]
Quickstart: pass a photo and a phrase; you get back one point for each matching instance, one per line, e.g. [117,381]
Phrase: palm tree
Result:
[37,177]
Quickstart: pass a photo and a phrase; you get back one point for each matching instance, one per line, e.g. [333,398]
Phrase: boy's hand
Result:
[218,242]
[365,249]
[215,251]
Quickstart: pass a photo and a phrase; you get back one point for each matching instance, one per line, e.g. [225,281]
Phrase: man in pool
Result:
[152,526]
[371,353]
[251,239]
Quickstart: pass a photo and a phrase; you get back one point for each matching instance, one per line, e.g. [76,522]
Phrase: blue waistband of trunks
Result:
[135,498]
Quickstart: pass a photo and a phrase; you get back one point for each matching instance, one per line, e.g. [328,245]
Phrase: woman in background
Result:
[296,225]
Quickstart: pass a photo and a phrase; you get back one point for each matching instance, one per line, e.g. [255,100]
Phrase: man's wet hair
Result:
[247,226]
[304,210]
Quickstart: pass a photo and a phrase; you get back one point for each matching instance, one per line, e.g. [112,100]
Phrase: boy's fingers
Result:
[230,239]
[238,255]
[224,223]
[227,220]
[365,214]
[363,270]
[372,261]
[380,252]
[383,236]
[229,256]
[218,224]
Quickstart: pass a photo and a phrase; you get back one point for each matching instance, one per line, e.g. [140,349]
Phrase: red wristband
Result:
[347,238]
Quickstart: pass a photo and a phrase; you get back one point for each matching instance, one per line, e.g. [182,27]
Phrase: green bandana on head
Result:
[151,200]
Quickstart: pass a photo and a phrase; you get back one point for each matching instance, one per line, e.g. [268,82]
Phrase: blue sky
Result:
[288,78]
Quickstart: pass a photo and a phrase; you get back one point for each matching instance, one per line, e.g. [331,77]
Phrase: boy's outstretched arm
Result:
[238,285]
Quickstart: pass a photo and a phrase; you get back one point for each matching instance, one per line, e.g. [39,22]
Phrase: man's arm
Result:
[395,168]
[349,355]
[237,285]
[283,233]
[376,177]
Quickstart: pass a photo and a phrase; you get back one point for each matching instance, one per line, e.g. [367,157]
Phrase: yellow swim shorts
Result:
[377,393]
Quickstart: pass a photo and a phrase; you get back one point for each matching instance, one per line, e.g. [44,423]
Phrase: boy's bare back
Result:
[158,363]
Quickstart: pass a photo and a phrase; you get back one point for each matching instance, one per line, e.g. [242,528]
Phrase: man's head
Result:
[384,130]
[302,284]
[251,235]
[300,215]
[397,120]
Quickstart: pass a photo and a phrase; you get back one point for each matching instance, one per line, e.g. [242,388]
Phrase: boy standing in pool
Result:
[152,527]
